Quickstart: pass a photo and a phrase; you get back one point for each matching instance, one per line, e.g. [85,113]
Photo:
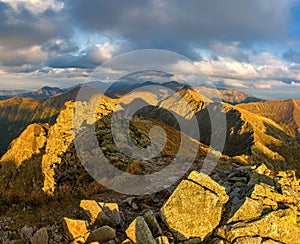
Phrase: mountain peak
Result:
[189,94]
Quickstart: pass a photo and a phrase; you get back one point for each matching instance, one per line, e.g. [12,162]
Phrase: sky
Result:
[253,46]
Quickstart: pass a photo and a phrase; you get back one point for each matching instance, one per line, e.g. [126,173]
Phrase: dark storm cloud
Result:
[89,58]
[69,61]
[182,23]
[23,28]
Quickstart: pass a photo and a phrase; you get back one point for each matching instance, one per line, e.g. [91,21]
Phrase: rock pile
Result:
[239,205]
[101,219]
[248,205]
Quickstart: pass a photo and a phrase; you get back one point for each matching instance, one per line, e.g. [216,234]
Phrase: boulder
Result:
[250,209]
[262,191]
[112,213]
[103,234]
[205,181]
[280,225]
[139,233]
[75,228]
[195,207]
[27,232]
[152,223]
[93,211]
[40,237]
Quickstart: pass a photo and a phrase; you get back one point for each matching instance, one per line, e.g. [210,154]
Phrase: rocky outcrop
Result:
[15,164]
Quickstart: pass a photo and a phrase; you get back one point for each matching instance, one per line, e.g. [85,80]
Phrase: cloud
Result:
[90,58]
[21,27]
[22,56]
[185,23]
[292,56]
[231,50]
[36,7]
[60,46]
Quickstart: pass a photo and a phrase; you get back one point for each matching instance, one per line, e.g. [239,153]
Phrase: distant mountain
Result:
[44,92]
[121,88]
[230,96]
[284,112]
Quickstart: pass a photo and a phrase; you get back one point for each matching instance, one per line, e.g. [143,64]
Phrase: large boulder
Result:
[195,207]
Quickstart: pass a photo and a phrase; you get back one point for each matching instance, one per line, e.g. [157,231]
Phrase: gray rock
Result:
[27,232]
[139,233]
[40,237]
[152,223]
[103,234]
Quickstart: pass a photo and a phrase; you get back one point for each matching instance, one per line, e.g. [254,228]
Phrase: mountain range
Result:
[264,131]
[254,184]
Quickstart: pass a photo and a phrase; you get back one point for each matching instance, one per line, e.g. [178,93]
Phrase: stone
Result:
[280,225]
[192,241]
[93,211]
[192,210]
[75,228]
[262,191]
[250,209]
[139,233]
[27,232]
[40,236]
[103,234]
[162,240]
[111,210]
[248,240]
[127,241]
[205,181]
[152,223]
[270,242]
[218,241]
[271,203]
[79,240]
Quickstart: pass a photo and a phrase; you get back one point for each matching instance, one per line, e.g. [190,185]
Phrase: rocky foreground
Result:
[249,204]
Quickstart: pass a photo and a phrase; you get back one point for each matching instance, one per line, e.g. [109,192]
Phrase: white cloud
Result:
[101,52]
[36,7]
[235,83]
